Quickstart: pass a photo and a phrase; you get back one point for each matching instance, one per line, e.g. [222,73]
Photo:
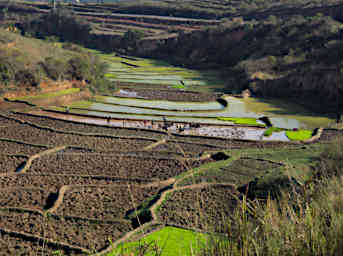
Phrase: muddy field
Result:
[95,235]
[29,134]
[112,165]
[54,182]
[29,197]
[70,126]
[10,163]
[198,207]
[104,202]
[186,149]
[172,95]
[18,148]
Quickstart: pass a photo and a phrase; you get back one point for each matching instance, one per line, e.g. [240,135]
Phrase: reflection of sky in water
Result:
[155,118]
[237,108]
[286,123]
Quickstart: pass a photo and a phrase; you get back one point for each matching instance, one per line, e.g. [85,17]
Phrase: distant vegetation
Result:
[27,62]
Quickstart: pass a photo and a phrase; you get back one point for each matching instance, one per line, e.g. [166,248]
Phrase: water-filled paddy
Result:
[147,71]
[161,104]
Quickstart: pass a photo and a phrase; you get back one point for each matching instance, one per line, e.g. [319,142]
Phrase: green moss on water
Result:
[299,134]
[242,121]
[172,241]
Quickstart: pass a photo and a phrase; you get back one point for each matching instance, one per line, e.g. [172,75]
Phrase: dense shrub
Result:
[26,77]
[54,68]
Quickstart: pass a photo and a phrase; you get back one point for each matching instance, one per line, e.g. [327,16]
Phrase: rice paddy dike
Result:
[103,174]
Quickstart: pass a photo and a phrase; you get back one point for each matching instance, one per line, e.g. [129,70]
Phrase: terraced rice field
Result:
[74,187]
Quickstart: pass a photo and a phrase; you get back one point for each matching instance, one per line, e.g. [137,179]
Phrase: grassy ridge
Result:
[169,241]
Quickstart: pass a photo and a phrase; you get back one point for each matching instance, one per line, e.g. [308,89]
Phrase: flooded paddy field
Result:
[81,175]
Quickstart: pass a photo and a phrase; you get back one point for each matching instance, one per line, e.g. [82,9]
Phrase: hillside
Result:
[30,64]
[286,49]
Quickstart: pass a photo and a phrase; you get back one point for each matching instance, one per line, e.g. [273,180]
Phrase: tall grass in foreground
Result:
[308,221]
[303,220]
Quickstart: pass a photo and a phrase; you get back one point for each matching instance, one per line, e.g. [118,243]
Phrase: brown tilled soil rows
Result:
[51,138]
[9,163]
[113,165]
[92,235]
[54,182]
[110,202]
[25,197]
[86,189]
[12,147]
[197,206]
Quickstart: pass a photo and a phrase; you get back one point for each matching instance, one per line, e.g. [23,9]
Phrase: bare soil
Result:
[47,137]
[54,182]
[203,208]
[33,198]
[89,234]
[104,202]
[10,163]
[17,148]
[113,165]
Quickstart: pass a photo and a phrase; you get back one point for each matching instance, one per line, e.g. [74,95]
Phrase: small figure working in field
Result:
[338,117]
[108,119]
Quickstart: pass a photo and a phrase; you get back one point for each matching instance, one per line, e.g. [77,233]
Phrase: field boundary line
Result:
[25,235]
[38,155]
[153,145]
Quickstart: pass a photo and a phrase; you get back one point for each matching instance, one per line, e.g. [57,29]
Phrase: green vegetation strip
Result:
[242,121]
[49,95]
[171,241]
[299,135]
[270,131]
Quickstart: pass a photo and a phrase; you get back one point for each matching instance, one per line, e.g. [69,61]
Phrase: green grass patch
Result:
[242,121]
[81,104]
[49,95]
[271,130]
[299,135]
[171,241]
[110,76]
[178,86]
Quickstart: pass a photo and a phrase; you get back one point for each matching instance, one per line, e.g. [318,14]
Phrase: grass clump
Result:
[299,134]
[168,241]
[242,121]
[178,86]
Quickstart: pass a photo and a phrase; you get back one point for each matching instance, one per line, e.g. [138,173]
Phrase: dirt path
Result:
[153,145]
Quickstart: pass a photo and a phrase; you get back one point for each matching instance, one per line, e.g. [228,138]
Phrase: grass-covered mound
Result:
[168,241]
[299,134]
